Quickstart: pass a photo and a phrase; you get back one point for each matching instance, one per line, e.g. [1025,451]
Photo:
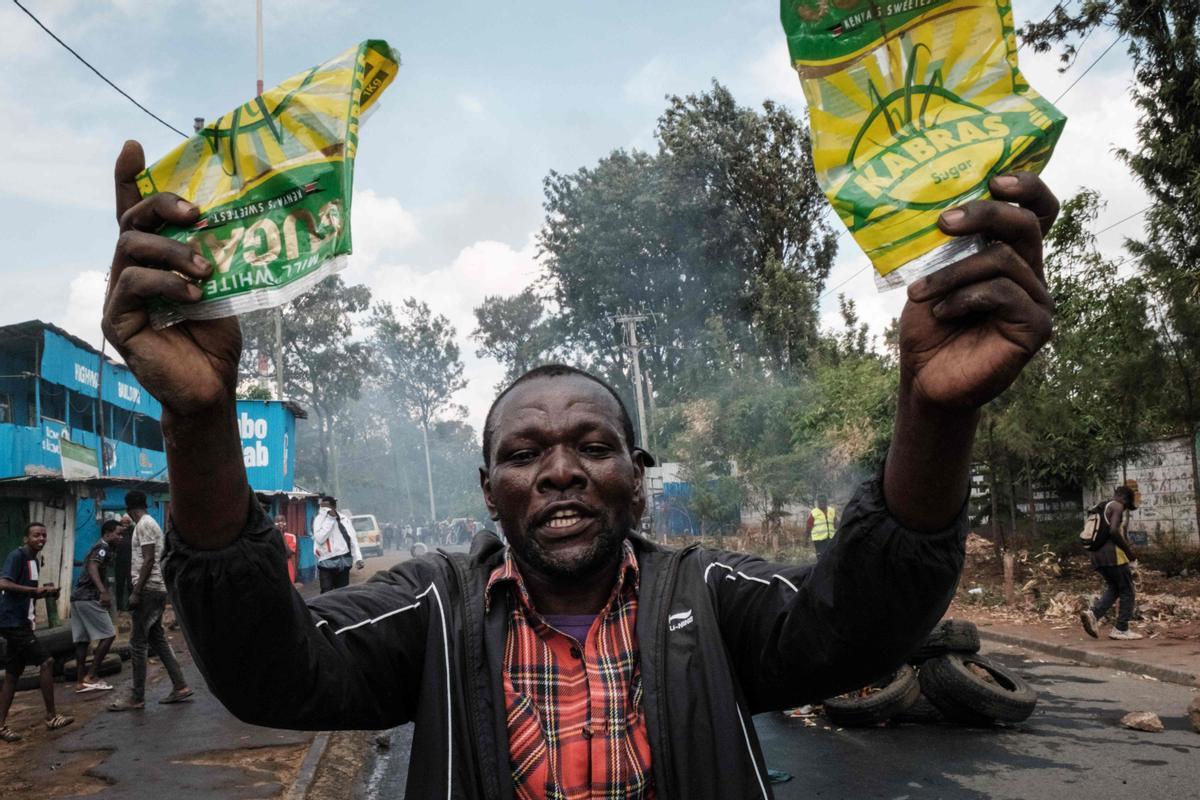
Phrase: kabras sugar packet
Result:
[914,105]
[273,180]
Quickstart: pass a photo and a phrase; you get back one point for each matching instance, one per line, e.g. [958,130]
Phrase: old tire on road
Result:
[885,698]
[950,636]
[921,712]
[975,690]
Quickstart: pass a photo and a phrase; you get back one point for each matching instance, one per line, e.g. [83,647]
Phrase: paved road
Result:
[1071,748]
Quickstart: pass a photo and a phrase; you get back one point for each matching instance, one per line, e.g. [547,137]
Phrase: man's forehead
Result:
[553,397]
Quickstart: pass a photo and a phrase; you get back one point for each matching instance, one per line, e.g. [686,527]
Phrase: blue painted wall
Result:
[268,431]
[69,387]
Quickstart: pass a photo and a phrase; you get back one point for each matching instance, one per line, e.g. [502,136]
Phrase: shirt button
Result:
[575,653]
[587,730]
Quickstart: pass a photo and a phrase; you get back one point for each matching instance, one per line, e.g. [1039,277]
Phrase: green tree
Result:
[1163,40]
[324,366]
[419,366]
[516,331]
[724,221]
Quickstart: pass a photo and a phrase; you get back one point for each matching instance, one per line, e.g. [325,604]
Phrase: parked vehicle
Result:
[370,535]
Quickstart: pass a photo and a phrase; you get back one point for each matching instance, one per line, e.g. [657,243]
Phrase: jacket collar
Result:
[628,574]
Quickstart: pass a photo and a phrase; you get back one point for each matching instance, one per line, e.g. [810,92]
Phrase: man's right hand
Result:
[192,366]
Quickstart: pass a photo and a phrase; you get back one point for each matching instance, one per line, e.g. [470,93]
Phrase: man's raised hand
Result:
[968,330]
[192,366]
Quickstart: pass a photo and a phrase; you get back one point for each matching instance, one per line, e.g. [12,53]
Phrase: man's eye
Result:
[597,449]
[522,456]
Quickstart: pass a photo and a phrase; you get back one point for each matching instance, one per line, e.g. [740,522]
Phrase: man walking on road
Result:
[1113,561]
[822,525]
[19,591]
[335,545]
[581,658]
[90,604]
[147,601]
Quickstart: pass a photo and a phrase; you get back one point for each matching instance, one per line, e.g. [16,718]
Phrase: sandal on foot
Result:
[177,696]
[7,734]
[58,721]
[126,705]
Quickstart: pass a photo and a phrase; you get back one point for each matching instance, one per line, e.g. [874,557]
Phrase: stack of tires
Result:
[945,680]
[59,645]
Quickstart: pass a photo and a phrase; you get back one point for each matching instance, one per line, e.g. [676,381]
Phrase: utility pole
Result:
[653,414]
[630,322]
[258,31]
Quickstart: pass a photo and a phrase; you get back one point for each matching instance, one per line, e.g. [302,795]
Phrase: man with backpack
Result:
[1111,558]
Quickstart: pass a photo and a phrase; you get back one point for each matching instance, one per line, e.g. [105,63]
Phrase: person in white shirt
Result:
[335,545]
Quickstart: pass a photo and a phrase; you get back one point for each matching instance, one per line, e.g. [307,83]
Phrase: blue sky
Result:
[448,180]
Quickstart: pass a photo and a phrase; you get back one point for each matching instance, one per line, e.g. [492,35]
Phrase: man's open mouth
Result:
[566,518]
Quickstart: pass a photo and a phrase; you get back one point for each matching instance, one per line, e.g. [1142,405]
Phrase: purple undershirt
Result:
[573,625]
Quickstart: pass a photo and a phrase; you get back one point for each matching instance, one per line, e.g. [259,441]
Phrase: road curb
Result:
[308,767]
[1095,659]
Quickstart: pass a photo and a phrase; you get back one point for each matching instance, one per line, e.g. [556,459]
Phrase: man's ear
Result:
[485,484]
[641,460]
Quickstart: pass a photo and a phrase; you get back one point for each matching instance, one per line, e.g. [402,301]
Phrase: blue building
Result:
[268,432]
[57,394]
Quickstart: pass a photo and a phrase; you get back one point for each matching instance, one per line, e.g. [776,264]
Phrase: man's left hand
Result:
[135,600]
[360,564]
[968,330]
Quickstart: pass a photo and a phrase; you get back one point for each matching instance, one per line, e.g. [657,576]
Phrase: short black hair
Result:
[1126,492]
[108,525]
[554,371]
[33,525]
[136,499]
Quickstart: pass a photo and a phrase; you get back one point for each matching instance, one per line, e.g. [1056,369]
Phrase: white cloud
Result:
[653,81]
[470,104]
[771,74]
[381,227]
[455,289]
[85,298]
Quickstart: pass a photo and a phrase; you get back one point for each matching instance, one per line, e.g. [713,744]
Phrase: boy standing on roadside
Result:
[90,604]
[18,591]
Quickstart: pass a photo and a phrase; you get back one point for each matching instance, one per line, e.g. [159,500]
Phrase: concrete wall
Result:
[1162,476]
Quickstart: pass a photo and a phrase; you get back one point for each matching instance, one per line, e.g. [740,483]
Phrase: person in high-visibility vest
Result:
[822,525]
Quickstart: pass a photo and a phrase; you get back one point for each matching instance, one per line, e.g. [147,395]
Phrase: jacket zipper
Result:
[660,640]
[469,690]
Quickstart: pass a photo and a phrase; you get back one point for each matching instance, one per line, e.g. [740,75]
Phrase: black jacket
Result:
[722,636]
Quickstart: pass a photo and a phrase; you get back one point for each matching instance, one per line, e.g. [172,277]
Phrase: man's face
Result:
[562,481]
[113,534]
[35,538]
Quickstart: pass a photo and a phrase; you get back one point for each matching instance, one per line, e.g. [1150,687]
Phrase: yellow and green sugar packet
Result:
[273,180]
[914,106]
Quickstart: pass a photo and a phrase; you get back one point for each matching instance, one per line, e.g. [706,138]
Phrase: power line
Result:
[99,74]
[1126,219]
[1089,67]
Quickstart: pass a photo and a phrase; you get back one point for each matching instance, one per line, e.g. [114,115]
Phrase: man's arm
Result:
[143,575]
[799,634]
[93,571]
[7,585]
[965,334]
[322,526]
[1114,513]
[301,673]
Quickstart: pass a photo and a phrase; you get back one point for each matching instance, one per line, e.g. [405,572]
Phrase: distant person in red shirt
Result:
[292,545]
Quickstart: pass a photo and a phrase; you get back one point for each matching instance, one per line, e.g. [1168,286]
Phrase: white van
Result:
[370,537]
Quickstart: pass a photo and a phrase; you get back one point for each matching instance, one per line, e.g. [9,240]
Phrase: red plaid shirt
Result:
[575,723]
